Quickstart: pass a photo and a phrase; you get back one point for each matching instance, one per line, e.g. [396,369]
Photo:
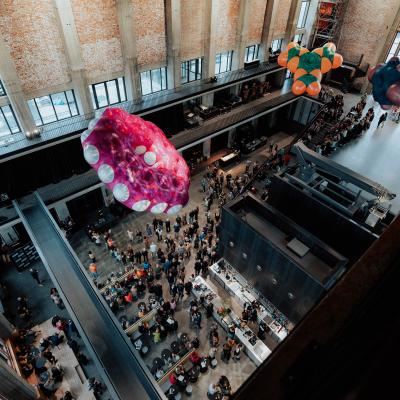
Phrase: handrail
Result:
[135,326]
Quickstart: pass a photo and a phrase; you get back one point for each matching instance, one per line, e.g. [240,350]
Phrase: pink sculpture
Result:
[136,162]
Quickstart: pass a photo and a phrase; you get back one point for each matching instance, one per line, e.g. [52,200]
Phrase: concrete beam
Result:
[13,88]
[126,11]
[173,28]
[72,46]
[268,29]
[291,24]
[241,35]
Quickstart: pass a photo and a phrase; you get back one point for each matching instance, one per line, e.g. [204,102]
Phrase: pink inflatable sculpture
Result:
[136,162]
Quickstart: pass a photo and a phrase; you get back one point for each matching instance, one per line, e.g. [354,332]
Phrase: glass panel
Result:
[112,92]
[3,126]
[256,51]
[2,90]
[156,79]
[46,109]
[34,112]
[301,22]
[217,63]
[146,82]
[72,102]
[250,54]
[60,105]
[11,119]
[184,72]
[92,96]
[199,68]
[101,95]
[192,70]
[394,50]
[164,78]
[122,91]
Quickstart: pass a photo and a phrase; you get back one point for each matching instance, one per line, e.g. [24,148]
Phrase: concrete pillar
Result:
[268,29]
[231,138]
[73,52]
[12,386]
[208,100]
[207,148]
[211,21]
[291,24]
[241,35]
[62,211]
[6,328]
[173,22]
[125,10]
[14,91]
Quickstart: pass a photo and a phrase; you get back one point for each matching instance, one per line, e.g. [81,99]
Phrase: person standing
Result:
[93,270]
[168,225]
[382,120]
[35,275]
[130,235]
[91,256]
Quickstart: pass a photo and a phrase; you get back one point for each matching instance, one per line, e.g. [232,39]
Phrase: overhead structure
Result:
[330,16]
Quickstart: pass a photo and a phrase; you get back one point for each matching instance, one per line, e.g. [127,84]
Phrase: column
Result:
[129,50]
[241,35]
[12,85]
[268,29]
[62,211]
[173,22]
[291,25]
[207,148]
[73,52]
[12,386]
[231,138]
[210,18]
[6,328]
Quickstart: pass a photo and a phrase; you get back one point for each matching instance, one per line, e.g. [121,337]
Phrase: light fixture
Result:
[244,255]
[231,244]
[259,268]
[290,295]
[274,281]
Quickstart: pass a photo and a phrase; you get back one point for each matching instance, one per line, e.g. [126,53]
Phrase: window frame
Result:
[186,70]
[6,120]
[279,47]
[299,36]
[71,114]
[95,99]
[396,52]
[229,57]
[2,89]
[163,76]
[255,51]
[302,23]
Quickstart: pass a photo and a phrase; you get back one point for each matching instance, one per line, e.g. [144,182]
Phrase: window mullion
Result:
[5,119]
[118,94]
[69,107]
[52,104]
[38,111]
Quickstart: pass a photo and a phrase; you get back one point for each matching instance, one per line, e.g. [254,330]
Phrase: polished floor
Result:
[376,154]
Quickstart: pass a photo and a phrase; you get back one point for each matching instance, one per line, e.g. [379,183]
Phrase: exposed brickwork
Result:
[31,31]
[228,18]
[192,29]
[282,17]
[97,25]
[256,21]
[149,20]
[365,28]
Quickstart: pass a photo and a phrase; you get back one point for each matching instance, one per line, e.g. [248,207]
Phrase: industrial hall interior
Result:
[199,199]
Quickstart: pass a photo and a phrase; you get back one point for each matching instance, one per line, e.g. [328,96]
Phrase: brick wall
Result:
[366,26]
[228,18]
[97,25]
[149,20]
[31,31]
[281,18]
[192,29]
[256,21]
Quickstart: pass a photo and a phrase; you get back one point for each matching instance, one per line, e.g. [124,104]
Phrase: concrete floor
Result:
[376,154]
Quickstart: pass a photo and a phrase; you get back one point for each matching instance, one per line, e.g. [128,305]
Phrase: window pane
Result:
[2,90]
[3,126]
[60,105]
[217,63]
[164,78]
[101,94]
[46,109]
[122,91]
[35,114]
[156,79]
[72,102]
[199,68]
[146,82]
[10,119]
[301,22]
[112,92]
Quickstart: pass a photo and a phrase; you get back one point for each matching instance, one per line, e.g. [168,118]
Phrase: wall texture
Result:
[281,18]
[192,29]
[257,11]
[228,18]
[30,29]
[150,32]
[365,28]
[98,31]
